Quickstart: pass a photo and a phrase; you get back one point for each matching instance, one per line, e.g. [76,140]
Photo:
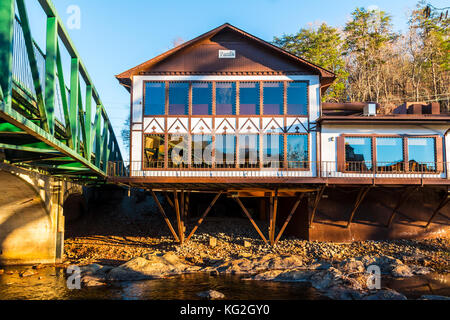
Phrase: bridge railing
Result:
[56,108]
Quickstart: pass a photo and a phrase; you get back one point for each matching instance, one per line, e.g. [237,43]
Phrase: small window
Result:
[178,151]
[358,154]
[153,151]
[273,155]
[178,98]
[249,151]
[297,98]
[297,151]
[225,98]
[155,98]
[248,98]
[225,151]
[390,154]
[201,98]
[273,97]
[201,151]
[422,154]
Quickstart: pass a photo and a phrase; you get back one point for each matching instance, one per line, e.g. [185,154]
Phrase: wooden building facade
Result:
[230,113]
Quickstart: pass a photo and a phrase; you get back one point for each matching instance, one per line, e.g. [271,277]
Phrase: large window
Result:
[273,151]
[249,98]
[249,151]
[178,151]
[178,98]
[201,98]
[225,98]
[358,154]
[297,98]
[273,98]
[389,154]
[153,151]
[297,151]
[154,98]
[422,154]
[201,151]
[225,151]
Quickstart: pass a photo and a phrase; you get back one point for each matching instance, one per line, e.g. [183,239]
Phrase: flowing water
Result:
[50,283]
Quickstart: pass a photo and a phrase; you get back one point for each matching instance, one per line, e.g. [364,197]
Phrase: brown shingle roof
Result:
[327,77]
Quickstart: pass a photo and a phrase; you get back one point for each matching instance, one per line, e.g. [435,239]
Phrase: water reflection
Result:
[50,283]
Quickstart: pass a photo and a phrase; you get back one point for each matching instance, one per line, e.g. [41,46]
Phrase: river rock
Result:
[368,260]
[268,275]
[401,271]
[418,270]
[2,271]
[90,269]
[151,267]
[387,263]
[28,273]
[211,295]
[351,266]
[386,294]
[92,281]
[433,297]
[264,263]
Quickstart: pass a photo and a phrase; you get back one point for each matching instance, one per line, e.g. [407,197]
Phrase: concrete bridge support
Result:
[31,216]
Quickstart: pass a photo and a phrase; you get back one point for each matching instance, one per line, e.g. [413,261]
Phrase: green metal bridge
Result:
[46,123]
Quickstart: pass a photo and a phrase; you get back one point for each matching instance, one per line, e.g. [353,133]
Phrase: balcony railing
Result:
[324,169]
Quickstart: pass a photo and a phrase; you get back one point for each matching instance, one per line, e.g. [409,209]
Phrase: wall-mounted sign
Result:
[227,54]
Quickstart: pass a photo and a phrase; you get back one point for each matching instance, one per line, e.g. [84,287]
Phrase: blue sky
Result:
[116,35]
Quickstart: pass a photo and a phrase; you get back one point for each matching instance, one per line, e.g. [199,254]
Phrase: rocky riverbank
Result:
[230,246]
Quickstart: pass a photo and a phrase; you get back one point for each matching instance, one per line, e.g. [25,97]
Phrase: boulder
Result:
[92,281]
[211,295]
[151,267]
[401,271]
[351,266]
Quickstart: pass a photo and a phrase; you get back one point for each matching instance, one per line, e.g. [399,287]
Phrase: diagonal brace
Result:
[294,208]
[199,222]
[361,195]
[250,218]
[161,209]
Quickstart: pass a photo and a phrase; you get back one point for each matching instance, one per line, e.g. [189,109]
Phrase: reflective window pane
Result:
[389,154]
[153,151]
[422,154]
[201,151]
[249,151]
[178,151]
[225,98]
[297,151]
[273,151]
[225,151]
[297,98]
[178,98]
[201,98]
[358,154]
[154,98]
[273,97]
[248,98]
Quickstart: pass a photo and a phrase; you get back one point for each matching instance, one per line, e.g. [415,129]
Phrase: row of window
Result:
[226,151]
[388,154]
[226,95]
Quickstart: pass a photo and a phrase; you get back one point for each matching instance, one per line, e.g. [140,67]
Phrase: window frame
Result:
[406,169]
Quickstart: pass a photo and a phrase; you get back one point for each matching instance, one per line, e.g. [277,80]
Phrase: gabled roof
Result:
[327,77]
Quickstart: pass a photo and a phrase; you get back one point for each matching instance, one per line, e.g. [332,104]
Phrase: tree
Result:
[322,46]
[125,133]
[369,41]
